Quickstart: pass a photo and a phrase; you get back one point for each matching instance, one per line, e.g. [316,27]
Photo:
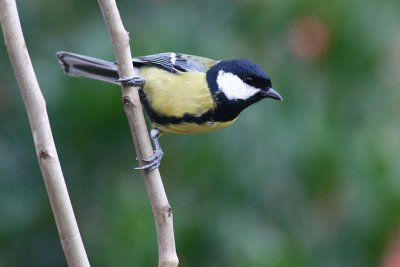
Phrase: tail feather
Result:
[88,67]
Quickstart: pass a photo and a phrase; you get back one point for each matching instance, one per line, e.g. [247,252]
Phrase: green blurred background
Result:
[312,181]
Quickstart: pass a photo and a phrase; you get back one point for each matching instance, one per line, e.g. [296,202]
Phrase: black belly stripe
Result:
[165,120]
[222,113]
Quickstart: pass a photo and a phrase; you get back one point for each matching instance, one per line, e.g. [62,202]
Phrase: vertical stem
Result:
[45,148]
[161,209]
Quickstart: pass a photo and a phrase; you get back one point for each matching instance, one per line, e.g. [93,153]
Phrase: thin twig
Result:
[161,209]
[45,148]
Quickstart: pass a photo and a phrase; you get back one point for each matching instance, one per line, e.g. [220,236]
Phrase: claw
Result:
[153,162]
[132,81]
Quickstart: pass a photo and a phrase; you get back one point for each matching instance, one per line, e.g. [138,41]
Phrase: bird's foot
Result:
[132,81]
[152,162]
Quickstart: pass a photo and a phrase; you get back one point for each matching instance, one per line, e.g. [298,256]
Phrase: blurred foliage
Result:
[312,181]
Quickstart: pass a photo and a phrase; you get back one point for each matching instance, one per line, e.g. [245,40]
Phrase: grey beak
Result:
[271,93]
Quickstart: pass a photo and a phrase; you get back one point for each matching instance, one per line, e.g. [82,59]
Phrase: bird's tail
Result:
[88,67]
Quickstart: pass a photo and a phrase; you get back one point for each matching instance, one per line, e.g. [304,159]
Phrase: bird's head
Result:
[237,84]
[242,80]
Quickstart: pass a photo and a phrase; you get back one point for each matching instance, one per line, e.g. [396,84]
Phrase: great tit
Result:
[182,93]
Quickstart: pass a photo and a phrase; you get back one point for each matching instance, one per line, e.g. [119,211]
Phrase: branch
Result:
[45,148]
[161,209]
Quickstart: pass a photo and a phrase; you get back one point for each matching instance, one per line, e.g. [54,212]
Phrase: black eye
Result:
[249,81]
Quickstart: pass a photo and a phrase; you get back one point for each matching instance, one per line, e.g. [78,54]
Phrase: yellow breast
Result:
[177,95]
[174,95]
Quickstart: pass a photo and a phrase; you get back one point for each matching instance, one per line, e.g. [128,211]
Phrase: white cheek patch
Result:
[233,87]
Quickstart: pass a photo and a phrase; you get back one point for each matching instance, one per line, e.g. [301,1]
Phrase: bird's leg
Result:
[154,161]
[133,81]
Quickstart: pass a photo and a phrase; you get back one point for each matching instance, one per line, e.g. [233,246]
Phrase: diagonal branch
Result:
[133,109]
[45,148]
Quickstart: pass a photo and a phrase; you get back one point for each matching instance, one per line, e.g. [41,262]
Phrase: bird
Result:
[182,93]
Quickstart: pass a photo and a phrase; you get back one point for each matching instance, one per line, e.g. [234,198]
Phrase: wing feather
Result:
[175,62]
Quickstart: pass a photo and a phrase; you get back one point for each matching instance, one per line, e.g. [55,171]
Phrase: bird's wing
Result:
[176,62]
